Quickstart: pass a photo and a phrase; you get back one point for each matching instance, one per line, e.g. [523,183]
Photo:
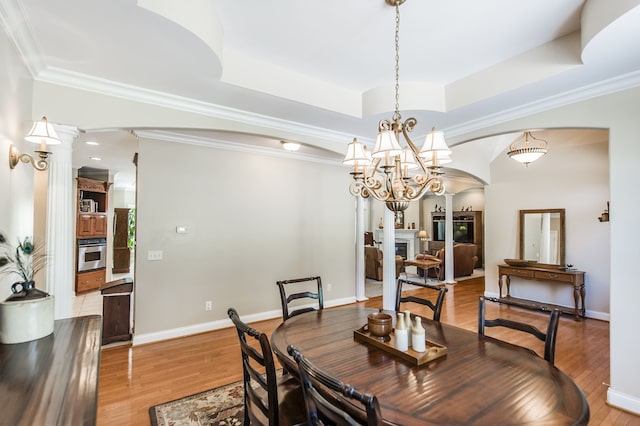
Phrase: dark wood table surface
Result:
[53,380]
[480,381]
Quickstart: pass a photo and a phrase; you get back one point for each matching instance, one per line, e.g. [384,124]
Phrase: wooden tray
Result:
[434,350]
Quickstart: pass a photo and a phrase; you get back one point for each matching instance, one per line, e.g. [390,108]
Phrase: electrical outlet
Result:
[208,305]
[329,287]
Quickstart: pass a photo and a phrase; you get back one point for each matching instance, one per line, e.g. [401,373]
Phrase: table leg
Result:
[578,300]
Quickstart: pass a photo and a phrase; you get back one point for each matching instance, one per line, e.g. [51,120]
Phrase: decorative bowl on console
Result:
[519,262]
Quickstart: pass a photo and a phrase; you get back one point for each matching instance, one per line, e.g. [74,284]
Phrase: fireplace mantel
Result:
[409,236]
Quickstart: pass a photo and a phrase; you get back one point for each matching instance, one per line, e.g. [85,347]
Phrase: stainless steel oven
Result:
[92,254]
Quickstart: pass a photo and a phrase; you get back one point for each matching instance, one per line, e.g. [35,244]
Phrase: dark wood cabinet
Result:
[467,228]
[116,310]
[53,380]
[121,252]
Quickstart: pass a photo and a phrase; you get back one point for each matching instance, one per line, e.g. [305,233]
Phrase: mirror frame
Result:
[561,242]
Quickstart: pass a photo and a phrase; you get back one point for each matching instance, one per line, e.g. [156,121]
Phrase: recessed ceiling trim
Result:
[93,84]
[606,87]
[173,137]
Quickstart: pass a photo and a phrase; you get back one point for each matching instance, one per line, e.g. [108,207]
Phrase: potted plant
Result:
[27,314]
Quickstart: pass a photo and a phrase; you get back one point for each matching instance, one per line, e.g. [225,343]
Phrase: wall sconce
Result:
[604,217]
[43,133]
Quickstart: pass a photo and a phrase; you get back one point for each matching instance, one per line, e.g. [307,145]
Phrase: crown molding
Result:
[101,86]
[174,137]
[616,84]
[15,23]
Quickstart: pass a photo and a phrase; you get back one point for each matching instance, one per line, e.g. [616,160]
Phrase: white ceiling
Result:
[327,64]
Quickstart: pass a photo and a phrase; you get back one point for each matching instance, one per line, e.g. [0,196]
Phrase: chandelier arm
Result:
[413,148]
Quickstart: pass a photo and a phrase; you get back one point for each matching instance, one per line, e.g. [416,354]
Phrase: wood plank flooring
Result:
[132,379]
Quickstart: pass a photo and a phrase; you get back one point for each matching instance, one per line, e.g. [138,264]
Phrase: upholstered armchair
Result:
[373,263]
[464,260]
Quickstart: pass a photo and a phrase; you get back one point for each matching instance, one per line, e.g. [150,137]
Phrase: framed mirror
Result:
[542,236]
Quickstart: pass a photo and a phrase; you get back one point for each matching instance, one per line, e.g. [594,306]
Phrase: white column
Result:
[360,227]
[389,261]
[60,244]
[448,239]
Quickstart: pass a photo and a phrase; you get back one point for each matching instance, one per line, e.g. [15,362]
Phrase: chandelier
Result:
[527,152]
[391,173]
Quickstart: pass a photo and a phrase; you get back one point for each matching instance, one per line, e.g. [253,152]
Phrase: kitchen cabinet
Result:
[92,280]
[91,225]
[91,222]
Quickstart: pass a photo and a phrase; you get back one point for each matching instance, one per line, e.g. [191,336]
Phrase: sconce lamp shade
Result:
[43,132]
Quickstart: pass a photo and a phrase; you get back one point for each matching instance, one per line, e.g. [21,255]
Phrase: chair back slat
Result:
[286,299]
[267,383]
[435,307]
[549,338]
[323,408]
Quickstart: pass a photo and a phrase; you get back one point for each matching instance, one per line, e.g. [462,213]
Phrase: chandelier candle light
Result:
[385,173]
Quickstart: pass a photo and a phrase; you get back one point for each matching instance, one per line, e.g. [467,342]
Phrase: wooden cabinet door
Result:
[85,225]
[100,225]
[92,225]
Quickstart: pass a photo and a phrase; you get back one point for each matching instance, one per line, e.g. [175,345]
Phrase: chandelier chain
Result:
[396,114]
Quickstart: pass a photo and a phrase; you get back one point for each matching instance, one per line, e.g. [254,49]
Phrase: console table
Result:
[53,380]
[539,273]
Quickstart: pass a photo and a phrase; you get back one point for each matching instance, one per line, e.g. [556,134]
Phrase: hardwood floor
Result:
[134,379]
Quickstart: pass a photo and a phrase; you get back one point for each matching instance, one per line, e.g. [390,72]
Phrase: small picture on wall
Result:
[399,220]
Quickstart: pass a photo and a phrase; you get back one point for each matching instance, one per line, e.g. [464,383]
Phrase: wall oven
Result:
[92,254]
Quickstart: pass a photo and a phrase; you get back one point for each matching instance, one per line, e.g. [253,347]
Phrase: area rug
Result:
[219,406]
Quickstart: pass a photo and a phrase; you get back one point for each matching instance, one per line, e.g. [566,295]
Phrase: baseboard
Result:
[174,333]
[623,401]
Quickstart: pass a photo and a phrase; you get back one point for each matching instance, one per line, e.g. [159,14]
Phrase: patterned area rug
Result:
[219,406]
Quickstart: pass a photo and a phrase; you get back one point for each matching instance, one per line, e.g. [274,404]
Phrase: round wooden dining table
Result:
[480,380]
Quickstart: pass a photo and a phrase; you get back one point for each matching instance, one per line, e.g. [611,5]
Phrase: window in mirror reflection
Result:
[542,236]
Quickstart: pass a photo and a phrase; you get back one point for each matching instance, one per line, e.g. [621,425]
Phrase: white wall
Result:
[16,186]
[252,219]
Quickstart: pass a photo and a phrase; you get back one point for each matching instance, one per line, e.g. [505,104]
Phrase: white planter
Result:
[23,321]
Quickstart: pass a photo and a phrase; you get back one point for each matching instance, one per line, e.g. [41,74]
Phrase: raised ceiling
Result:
[330,64]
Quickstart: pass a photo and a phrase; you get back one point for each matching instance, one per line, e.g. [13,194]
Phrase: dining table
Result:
[479,381]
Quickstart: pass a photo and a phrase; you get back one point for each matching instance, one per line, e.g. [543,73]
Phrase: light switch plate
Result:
[154,255]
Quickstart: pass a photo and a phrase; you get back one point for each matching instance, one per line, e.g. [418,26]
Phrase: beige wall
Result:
[252,220]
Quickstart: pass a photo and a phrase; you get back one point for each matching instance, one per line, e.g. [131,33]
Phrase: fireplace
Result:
[408,238]
[401,249]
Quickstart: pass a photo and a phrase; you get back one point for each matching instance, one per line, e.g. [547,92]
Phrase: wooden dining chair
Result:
[549,338]
[323,408]
[435,307]
[268,399]
[297,292]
